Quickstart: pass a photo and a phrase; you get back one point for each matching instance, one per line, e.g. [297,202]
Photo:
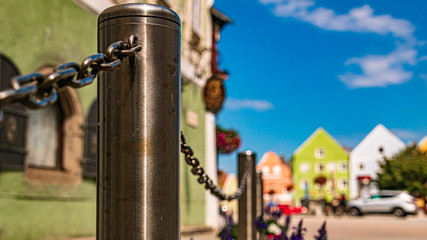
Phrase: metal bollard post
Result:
[259,197]
[247,202]
[139,126]
[259,194]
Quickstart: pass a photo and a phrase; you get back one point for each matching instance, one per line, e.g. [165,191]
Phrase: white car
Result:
[399,203]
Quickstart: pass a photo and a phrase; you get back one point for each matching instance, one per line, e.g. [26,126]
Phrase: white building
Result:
[365,158]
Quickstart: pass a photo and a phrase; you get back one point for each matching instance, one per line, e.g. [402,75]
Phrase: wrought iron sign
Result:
[214,94]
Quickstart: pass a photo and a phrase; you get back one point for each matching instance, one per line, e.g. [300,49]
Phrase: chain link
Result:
[36,90]
[204,178]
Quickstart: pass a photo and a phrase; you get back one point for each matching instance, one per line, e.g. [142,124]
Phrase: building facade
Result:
[320,168]
[48,156]
[365,158]
[277,179]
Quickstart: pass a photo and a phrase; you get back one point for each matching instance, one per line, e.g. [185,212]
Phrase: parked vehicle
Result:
[399,203]
[289,210]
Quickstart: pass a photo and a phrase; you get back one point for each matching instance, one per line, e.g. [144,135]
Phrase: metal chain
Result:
[204,178]
[36,90]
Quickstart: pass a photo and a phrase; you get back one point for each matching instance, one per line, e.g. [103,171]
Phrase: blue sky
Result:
[346,66]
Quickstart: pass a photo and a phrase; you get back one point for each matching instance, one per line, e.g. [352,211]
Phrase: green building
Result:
[48,156]
[320,168]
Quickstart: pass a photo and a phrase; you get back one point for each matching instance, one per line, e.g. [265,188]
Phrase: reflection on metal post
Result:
[139,121]
[247,202]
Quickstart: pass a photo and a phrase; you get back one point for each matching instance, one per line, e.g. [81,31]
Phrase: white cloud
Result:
[361,19]
[423,76]
[258,105]
[377,70]
[381,70]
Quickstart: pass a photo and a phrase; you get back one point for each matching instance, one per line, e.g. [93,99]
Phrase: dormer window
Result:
[319,153]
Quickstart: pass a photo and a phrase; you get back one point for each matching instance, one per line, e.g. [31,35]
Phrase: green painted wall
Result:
[39,212]
[306,154]
[192,193]
[53,32]
[36,34]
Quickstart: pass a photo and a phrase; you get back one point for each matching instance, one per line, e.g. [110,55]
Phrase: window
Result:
[320,167]
[43,141]
[343,183]
[343,167]
[304,167]
[319,153]
[332,167]
[265,170]
[277,170]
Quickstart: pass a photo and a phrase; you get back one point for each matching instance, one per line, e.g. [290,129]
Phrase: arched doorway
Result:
[55,140]
[14,124]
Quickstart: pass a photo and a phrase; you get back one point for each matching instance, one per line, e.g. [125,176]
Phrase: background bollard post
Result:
[139,126]
[259,197]
[247,202]
[259,194]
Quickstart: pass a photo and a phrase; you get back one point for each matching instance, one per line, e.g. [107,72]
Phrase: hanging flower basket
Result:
[227,141]
[321,180]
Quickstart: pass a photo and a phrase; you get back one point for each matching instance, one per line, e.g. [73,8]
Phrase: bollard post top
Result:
[139,10]
[246,153]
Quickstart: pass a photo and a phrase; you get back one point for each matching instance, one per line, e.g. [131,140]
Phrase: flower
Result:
[299,231]
[274,228]
[229,231]
[322,233]
[227,140]
[260,224]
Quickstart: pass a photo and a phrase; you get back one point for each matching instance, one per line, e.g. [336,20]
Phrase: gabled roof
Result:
[380,136]
[313,136]
[268,157]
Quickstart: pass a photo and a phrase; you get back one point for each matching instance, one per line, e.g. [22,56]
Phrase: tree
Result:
[405,171]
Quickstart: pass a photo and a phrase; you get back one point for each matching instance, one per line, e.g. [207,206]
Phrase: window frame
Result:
[320,153]
[301,167]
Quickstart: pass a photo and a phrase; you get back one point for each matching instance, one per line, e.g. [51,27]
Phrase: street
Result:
[375,227]
[367,227]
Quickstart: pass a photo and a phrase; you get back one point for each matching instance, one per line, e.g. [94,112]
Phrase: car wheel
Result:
[398,212]
[354,212]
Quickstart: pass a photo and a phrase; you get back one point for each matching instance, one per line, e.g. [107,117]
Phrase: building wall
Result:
[192,193]
[333,154]
[277,179]
[368,154]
